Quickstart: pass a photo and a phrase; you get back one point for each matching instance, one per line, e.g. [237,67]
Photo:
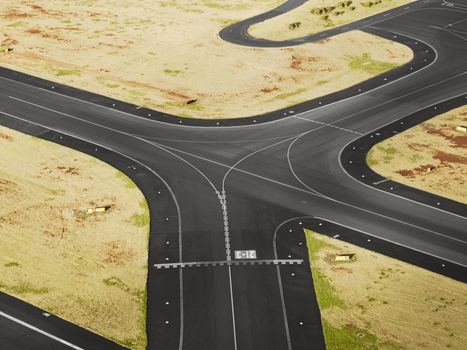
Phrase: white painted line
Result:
[380,182]
[330,125]
[233,309]
[40,331]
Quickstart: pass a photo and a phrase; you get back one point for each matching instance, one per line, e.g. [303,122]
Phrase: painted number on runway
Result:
[245,254]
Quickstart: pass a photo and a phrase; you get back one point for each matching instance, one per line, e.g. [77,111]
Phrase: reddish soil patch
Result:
[415,171]
[267,90]
[9,41]
[12,14]
[445,157]
[418,146]
[298,60]
[456,141]
[459,141]
[178,95]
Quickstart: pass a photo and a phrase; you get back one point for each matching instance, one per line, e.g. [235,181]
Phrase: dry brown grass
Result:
[88,269]
[332,13]
[431,156]
[122,49]
[395,305]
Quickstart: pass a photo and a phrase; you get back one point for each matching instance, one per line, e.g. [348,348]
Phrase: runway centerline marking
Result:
[40,331]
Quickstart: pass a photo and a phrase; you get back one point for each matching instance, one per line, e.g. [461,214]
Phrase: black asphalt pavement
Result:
[220,186]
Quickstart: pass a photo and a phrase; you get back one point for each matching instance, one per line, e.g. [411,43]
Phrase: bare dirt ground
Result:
[89,269]
[318,15]
[376,302]
[162,54]
[431,156]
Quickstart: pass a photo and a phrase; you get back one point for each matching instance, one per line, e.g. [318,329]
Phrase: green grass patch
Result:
[16,24]
[26,288]
[286,95]
[65,72]
[12,264]
[415,157]
[172,72]
[143,219]
[192,107]
[370,158]
[128,182]
[136,93]
[351,337]
[369,65]
[325,292]
[321,82]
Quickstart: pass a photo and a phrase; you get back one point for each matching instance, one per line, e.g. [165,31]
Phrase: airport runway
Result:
[214,189]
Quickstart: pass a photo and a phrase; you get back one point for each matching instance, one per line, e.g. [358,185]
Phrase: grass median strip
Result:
[376,302]
[431,156]
[61,254]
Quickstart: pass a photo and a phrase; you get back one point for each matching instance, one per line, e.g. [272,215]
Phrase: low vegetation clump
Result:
[313,19]
[58,252]
[430,156]
[376,302]
[366,63]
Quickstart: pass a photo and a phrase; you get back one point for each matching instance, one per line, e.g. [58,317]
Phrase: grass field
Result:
[90,269]
[123,50]
[376,302]
[431,156]
[318,15]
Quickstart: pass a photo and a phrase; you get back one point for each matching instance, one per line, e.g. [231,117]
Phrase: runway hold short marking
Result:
[228,263]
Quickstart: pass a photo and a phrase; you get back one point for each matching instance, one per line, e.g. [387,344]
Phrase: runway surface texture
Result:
[213,189]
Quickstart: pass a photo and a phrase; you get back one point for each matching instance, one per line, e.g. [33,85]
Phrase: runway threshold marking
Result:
[230,263]
[51,336]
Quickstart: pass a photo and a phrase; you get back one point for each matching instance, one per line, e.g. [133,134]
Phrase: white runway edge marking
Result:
[230,263]
[27,325]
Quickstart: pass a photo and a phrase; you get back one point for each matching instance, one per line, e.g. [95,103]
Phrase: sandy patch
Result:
[88,269]
[383,303]
[164,54]
[431,156]
[318,15]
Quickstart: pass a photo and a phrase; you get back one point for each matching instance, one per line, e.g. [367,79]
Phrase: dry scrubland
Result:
[162,54]
[88,269]
[376,302]
[431,156]
[318,15]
